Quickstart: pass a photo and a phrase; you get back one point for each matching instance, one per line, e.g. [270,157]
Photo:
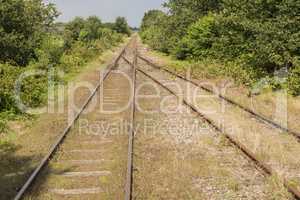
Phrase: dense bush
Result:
[121,26]
[72,31]
[22,25]
[30,41]
[253,38]
[199,40]
[263,33]
[8,76]
[32,88]
[89,37]
[152,30]
[109,38]
[2,125]
[183,13]
[91,30]
[49,53]
[294,81]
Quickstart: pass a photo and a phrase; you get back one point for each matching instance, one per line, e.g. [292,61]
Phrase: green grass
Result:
[207,69]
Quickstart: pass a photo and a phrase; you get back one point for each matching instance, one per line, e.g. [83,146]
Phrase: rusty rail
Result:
[129,175]
[266,168]
[62,137]
[253,113]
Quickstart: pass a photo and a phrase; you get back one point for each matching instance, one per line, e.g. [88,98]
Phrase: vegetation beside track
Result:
[32,41]
[244,40]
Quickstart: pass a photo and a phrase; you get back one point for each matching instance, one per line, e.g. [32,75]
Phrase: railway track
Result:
[127,183]
[259,117]
[266,168]
[129,175]
[36,174]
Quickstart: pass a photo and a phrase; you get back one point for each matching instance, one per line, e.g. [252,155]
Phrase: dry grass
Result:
[274,147]
[271,145]
[191,165]
[264,104]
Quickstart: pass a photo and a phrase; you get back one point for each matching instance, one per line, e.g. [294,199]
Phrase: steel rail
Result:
[60,140]
[266,168]
[129,174]
[127,61]
[253,113]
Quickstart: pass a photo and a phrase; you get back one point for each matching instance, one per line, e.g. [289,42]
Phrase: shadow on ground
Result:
[13,170]
[16,169]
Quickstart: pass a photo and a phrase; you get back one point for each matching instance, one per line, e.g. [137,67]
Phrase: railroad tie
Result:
[84,161]
[14,174]
[86,151]
[86,174]
[97,142]
[76,191]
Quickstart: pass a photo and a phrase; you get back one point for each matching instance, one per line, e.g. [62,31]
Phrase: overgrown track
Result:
[253,113]
[267,169]
[129,178]
[129,175]
[25,188]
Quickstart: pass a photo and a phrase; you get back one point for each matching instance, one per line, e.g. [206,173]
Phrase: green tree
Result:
[72,31]
[109,25]
[174,25]
[22,26]
[257,37]
[199,40]
[121,26]
[263,33]
[153,30]
[152,18]
[91,28]
[183,13]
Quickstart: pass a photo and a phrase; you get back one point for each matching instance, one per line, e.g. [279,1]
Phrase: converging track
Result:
[164,82]
[260,117]
[267,169]
[137,137]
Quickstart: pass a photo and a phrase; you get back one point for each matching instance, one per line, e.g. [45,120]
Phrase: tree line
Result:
[251,39]
[30,39]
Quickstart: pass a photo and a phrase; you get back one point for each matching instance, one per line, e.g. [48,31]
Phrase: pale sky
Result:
[107,10]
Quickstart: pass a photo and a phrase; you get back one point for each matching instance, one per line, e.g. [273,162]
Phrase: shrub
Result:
[92,25]
[72,31]
[82,52]
[154,32]
[294,81]
[109,38]
[256,38]
[199,39]
[121,26]
[49,53]
[28,41]
[69,62]
[33,89]
[22,27]
[3,127]
[8,75]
